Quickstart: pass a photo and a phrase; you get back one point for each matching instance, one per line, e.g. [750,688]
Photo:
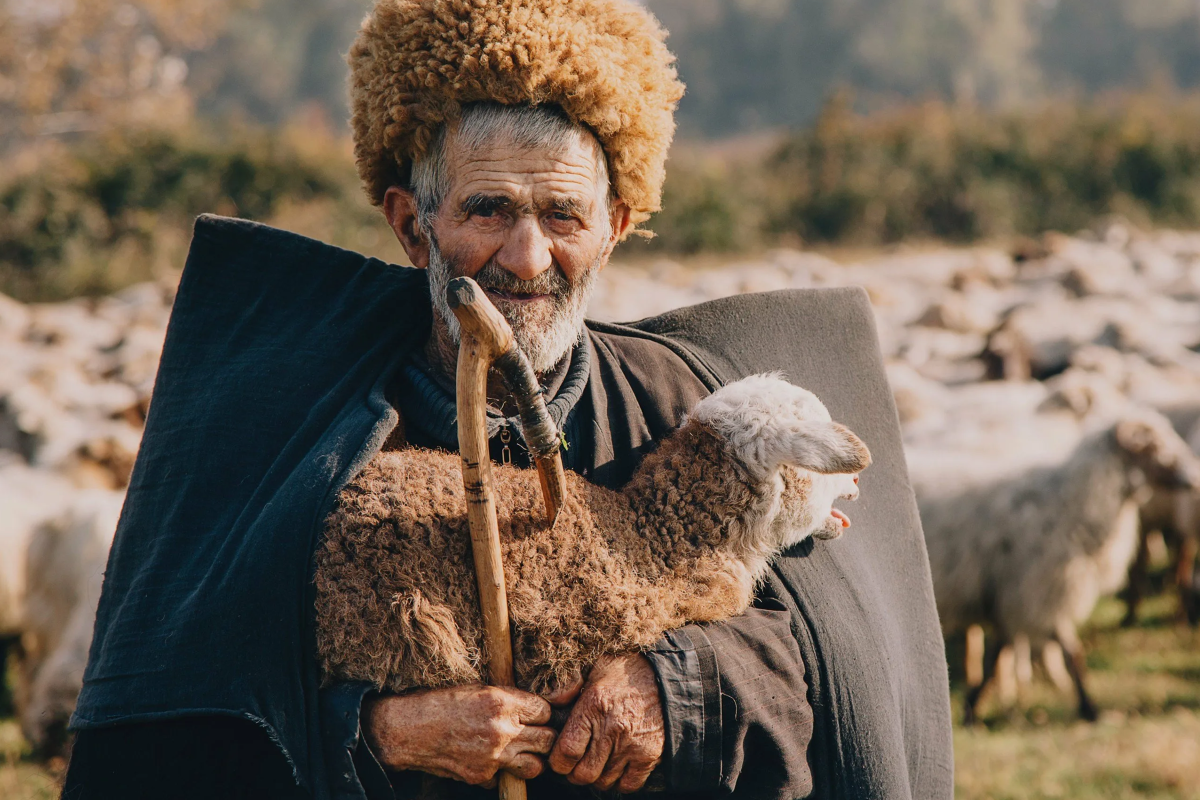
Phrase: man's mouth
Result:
[513,297]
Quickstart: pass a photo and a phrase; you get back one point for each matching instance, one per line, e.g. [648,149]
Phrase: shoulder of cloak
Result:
[862,605]
[269,397]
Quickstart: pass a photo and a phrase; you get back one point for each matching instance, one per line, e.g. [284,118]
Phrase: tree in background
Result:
[275,57]
[85,65]
[760,64]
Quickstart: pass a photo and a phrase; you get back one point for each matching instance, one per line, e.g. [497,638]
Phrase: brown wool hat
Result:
[604,62]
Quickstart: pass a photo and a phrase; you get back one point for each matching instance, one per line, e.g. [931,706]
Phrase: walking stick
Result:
[487,341]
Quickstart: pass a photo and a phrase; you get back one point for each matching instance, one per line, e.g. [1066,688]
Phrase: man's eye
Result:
[562,216]
[485,212]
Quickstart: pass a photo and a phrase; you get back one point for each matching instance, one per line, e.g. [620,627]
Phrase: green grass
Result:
[1146,745]
[1146,681]
[20,778]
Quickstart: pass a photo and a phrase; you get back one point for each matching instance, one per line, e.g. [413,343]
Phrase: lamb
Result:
[754,469]
[1031,554]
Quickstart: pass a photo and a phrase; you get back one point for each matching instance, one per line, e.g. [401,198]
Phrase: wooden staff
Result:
[487,341]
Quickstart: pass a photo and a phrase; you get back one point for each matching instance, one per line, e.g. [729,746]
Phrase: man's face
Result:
[532,227]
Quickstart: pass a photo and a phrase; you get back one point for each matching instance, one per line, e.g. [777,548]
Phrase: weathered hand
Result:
[468,733]
[614,736]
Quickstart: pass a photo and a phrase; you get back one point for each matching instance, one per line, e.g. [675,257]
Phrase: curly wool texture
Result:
[397,603]
[415,63]
[753,470]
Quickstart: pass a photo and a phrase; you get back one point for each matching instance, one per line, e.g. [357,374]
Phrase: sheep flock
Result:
[1049,398]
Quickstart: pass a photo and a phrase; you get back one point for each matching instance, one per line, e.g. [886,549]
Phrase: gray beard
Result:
[545,338]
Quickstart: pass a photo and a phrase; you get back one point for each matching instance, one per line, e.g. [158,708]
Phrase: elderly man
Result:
[516,143]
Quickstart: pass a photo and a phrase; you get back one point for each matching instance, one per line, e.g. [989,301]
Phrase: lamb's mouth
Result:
[842,519]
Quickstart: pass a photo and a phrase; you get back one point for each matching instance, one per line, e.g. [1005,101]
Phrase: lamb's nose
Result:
[856,480]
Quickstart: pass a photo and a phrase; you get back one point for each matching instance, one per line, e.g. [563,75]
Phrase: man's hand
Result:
[468,733]
[614,736]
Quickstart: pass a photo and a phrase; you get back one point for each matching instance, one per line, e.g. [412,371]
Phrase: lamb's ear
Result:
[826,447]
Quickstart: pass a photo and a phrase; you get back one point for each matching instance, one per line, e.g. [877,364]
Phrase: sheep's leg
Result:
[1006,675]
[1185,579]
[1136,584]
[1187,518]
[1077,669]
[974,656]
[975,693]
[8,644]
[971,704]
[1056,666]
[1022,665]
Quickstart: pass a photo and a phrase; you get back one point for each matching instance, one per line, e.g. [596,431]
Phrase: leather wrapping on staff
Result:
[539,430]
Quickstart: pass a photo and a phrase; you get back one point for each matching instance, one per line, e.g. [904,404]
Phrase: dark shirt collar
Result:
[429,408]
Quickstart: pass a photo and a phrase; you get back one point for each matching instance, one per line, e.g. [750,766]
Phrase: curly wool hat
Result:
[415,63]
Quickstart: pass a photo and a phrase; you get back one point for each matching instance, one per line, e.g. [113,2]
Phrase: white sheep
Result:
[1176,516]
[54,542]
[1032,553]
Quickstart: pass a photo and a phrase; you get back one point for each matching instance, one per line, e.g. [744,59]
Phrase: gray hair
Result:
[482,124]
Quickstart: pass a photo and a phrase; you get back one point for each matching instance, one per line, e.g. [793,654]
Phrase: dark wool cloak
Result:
[271,396]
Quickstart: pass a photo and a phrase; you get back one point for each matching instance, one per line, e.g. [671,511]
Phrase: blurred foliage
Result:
[88,218]
[85,65]
[755,64]
[708,206]
[750,65]
[935,171]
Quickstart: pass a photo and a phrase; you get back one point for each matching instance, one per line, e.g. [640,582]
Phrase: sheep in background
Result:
[1032,553]
[755,468]
[54,542]
[28,498]
[1176,516]
[64,568]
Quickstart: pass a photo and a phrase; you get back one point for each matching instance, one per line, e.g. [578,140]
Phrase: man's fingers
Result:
[635,777]
[571,744]
[531,709]
[566,693]
[612,773]
[525,766]
[588,770]
[533,739]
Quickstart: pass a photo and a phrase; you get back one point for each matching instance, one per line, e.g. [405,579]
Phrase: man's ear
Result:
[400,208]
[619,217]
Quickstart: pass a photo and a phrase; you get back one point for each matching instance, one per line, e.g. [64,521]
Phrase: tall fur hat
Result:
[604,62]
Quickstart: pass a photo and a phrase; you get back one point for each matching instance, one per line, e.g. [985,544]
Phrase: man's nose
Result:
[526,251]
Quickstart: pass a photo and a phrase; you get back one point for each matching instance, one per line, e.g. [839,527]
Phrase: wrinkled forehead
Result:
[501,162]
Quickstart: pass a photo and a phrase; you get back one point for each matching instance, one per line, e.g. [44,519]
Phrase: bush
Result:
[962,174]
[938,172]
[90,218]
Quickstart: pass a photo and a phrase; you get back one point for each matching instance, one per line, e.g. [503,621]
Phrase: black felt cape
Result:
[270,398]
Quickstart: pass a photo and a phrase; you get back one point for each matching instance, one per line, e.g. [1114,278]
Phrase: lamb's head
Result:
[786,440]
[1155,453]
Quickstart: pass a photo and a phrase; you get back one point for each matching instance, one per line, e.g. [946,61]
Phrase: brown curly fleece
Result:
[396,597]
[604,62]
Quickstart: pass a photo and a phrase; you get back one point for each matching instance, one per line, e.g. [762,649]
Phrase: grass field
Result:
[1145,746]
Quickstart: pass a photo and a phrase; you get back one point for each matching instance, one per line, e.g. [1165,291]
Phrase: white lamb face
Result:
[813,512]
[785,435]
